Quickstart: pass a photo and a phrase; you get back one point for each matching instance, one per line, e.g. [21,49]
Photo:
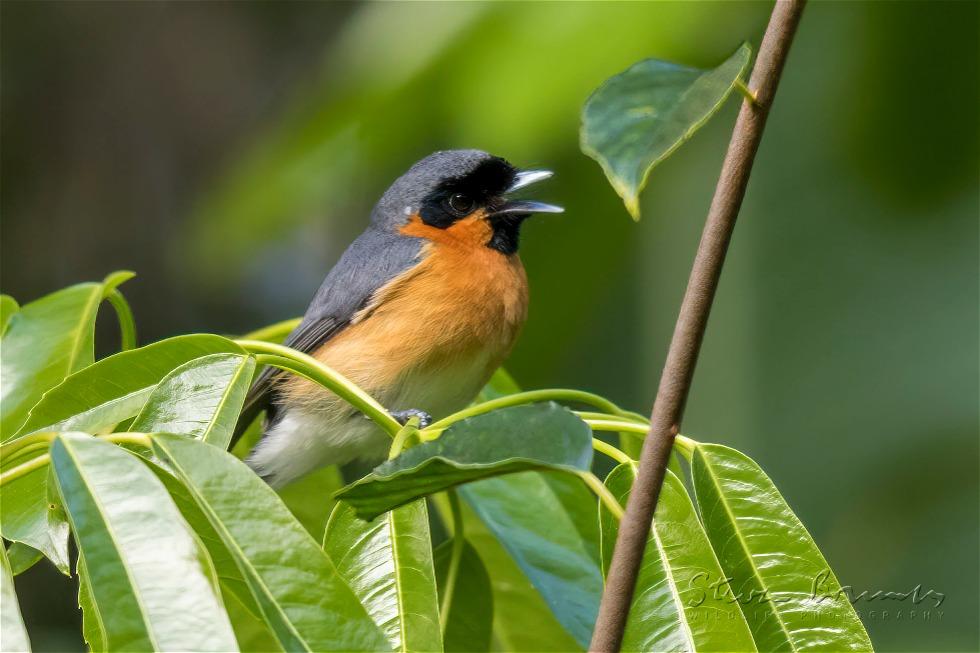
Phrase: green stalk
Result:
[24,468]
[684,445]
[274,332]
[411,427]
[601,491]
[456,555]
[611,451]
[584,414]
[14,446]
[127,325]
[533,396]
[312,369]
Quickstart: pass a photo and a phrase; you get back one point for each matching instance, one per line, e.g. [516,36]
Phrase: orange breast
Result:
[461,307]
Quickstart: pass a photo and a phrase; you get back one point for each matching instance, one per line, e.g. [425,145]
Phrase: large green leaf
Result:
[8,307]
[14,633]
[310,498]
[792,599]
[538,436]
[32,515]
[201,399]
[147,578]
[44,342]
[547,524]
[22,557]
[522,620]
[388,564]
[92,629]
[470,624]
[674,606]
[114,389]
[637,118]
[306,603]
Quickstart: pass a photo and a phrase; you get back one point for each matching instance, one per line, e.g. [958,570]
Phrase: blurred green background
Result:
[228,152]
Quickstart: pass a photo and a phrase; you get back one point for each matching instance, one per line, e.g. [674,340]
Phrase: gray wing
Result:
[371,261]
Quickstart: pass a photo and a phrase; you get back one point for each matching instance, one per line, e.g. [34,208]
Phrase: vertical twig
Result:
[675,380]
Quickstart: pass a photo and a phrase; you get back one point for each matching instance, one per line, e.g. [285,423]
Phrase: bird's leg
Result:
[402,416]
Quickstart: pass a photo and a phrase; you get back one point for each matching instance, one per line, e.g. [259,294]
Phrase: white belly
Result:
[330,432]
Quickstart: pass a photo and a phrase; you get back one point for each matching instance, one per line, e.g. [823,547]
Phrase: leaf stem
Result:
[274,332]
[611,451]
[456,555]
[746,92]
[531,397]
[24,468]
[411,427]
[601,491]
[306,366]
[12,447]
[586,415]
[127,325]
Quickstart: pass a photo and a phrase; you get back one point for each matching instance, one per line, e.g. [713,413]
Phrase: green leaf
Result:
[674,607]
[92,629]
[388,564]
[470,625]
[306,603]
[11,623]
[499,385]
[310,498]
[637,118]
[792,599]
[536,436]
[114,389]
[22,557]
[46,341]
[252,633]
[32,515]
[522,620]
[8,308]
[547,524]
[201,399]
[147,579]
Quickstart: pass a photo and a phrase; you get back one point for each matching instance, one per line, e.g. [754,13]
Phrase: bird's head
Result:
[464,195]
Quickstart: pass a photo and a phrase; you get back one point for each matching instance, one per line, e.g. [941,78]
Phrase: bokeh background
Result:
[228,152]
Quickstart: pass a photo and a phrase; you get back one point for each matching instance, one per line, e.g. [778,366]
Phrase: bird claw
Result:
[402,416]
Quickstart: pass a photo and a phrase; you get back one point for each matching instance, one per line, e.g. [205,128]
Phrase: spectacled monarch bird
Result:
[419,312]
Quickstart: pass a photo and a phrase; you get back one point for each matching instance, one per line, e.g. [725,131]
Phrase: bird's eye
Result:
[461,204]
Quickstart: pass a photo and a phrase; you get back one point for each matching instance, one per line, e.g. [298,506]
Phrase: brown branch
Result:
[675,380]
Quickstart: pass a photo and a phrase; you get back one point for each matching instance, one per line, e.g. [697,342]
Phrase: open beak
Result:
[525,207]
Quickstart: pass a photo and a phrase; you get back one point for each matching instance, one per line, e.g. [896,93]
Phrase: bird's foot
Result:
[402,416]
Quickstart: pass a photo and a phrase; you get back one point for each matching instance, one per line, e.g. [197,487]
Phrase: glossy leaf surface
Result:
[637,118]
[8,307]
[470,625]
[45,341]
[388,564]
[790,597]
[522,620]
[201,399]
[115,388]
[675,607]
[92,629]
[537,436]
[14,633]
[306,603]
[22,557]
[32,514]
[547,524]
[147,579]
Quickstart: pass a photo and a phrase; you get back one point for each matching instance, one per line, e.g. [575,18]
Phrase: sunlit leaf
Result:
[538,436]
[791,598]
[45,341]
[22,557]
[8,307]
[674,606]
[637,118]
[114,389]
[201,399]
[32,514]
[14,638]
[146,576]
[470,625]
[306,603]
[388,564]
